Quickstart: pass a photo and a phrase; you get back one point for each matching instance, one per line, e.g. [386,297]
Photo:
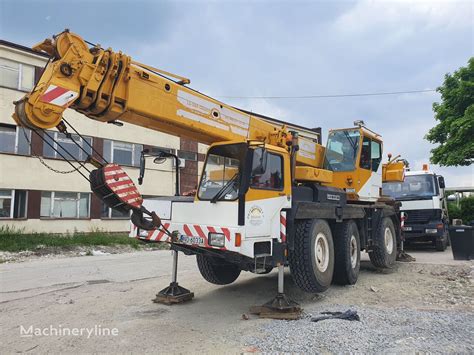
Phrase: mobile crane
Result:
[267,197]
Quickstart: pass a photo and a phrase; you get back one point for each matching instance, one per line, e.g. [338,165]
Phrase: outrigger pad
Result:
[281,307]
[115,188]
[173,294]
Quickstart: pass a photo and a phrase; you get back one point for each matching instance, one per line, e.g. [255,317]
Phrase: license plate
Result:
[408,229]
[185,239]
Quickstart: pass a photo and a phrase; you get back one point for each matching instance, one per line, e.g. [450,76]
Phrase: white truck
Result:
[424,205]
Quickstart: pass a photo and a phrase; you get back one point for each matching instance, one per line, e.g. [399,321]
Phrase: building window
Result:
[61,144]
[122,153]
[14,139]
[15,75]
[187,155]
[156,150]
[108,212]
[13,203]
[65,204]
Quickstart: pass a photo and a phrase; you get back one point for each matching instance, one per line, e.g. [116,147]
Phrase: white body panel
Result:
[371,189]
[199,218]
[434,203]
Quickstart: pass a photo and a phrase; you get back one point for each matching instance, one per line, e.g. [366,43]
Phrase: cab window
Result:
[365,154]
[341,150]
[376,155]
[370,154]
[272,178]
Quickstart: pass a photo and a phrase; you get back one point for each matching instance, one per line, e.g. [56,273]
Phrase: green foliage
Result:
[465,211]
[455,131]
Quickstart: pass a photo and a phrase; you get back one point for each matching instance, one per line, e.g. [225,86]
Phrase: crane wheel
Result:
[384,252]
[312,260]
[346,252]
[216,270]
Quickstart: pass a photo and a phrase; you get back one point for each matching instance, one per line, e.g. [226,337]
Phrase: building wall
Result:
[25,172]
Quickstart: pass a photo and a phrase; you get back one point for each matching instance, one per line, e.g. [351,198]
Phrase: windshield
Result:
[414,187]
[222,169]
[341,150]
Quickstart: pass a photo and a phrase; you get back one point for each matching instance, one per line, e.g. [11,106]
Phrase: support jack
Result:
[281,307]
[174,293]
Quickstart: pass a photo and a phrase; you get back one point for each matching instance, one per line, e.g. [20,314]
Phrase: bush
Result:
[465,211]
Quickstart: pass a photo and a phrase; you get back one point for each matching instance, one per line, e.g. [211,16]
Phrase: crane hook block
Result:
[115,188]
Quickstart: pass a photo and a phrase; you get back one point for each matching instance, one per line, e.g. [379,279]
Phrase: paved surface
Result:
[115,291]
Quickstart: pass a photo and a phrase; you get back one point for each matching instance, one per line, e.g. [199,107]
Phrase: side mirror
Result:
[441,182]
[259,163]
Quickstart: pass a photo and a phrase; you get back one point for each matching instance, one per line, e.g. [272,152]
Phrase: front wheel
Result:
[384,252]
[312,260]
[442,243]
[216,270]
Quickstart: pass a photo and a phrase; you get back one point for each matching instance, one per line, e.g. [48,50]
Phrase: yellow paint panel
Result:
[307,173]
[393,172]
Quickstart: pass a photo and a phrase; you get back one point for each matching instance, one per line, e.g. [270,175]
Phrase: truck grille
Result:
[422,216]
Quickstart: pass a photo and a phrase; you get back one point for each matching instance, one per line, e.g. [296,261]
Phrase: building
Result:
[41,192]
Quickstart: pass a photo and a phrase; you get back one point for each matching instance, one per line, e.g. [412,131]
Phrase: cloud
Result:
[404,17]
[289,49]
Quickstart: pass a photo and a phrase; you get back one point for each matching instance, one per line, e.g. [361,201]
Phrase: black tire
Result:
[384,252]
[311,273]
[216,270]
[442,244]
[346,253]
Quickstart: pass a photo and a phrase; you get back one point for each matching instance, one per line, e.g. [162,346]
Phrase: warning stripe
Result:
[187,230]
[199,231]
[162,232]
[121,184]
[53,93]
[226,233]
[59,96]
[124,189]
[119,172]
[283,226]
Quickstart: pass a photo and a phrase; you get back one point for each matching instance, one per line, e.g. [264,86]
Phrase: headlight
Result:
[217,239]
[431,230]
[142,233]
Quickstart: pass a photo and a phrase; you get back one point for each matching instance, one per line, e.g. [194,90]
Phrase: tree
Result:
[455,113]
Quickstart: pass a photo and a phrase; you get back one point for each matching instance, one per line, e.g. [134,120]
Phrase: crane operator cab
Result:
[354,156]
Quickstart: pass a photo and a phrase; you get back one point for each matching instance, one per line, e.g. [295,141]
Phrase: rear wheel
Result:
[384,252]
[312,260]
[347,253]
[217,270]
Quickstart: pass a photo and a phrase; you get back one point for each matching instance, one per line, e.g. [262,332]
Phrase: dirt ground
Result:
[115,291]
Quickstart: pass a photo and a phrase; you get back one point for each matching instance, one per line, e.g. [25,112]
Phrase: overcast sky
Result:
[286,48]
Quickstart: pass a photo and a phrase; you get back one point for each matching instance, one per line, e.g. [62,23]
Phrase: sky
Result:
[286,48]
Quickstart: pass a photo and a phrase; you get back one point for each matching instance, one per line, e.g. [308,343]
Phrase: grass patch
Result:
[15,240]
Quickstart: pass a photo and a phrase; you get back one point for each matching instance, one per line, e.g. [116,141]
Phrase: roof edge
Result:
[22,48]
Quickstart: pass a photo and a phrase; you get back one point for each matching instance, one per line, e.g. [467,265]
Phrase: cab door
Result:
[269,192]
[370,169]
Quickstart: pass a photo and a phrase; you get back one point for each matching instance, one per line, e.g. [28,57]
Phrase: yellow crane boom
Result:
[106,86]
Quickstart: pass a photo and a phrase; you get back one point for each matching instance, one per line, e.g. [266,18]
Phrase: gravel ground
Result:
[412,308]
[395,330]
